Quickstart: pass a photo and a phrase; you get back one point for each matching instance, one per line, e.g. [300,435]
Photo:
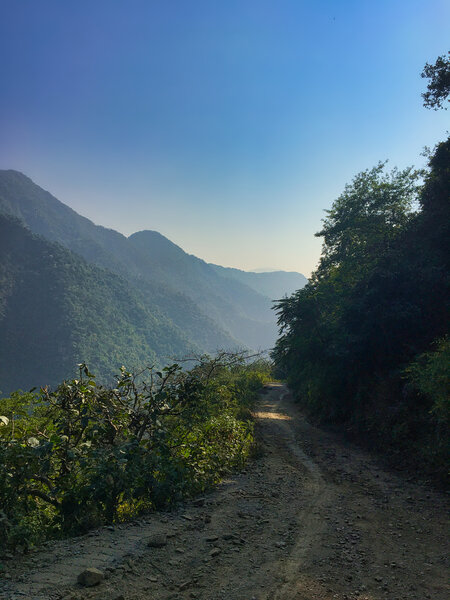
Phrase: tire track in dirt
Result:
[318,495]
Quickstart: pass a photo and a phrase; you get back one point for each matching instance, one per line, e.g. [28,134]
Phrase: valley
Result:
[135,301]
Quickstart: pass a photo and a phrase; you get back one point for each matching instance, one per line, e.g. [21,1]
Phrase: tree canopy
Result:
[358,343]
[439,85]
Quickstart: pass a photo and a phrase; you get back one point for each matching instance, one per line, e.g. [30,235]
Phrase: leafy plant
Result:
[83,455]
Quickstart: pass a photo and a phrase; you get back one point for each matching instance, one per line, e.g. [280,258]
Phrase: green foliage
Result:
[366,218]
[430,375]
[378,300]
[429,378]
[83,455]
[439,84]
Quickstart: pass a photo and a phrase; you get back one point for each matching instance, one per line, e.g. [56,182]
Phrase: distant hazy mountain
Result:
[238,308]
[57,310]
[213,307]
[273,284]
[263,270]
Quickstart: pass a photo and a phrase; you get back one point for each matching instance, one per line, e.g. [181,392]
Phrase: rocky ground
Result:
[312,518]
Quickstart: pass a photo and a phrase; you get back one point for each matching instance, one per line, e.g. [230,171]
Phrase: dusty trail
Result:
[312,519]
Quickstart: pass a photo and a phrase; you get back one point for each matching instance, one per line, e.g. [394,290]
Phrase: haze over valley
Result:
[114,300]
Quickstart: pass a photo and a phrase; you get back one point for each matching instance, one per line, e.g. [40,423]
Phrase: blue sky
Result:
[227,126]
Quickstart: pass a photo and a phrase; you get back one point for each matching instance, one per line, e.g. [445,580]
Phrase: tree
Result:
[367,216]
[439,84]
[378,301]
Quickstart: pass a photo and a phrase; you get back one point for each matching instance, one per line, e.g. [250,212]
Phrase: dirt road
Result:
[312,518]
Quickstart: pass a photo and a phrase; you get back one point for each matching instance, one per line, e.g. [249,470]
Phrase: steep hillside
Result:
[49,217]
[56,310]
[214,308]
[239,309]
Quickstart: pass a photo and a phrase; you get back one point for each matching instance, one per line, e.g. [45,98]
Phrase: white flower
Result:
[4,420]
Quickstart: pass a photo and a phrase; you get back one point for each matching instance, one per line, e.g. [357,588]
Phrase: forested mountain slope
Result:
[239,309]
[56,310]
[213,306]
[49,217]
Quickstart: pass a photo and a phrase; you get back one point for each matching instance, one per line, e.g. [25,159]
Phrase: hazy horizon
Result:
[227,128]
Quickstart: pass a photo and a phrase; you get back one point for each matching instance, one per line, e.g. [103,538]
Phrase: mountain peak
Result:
[14,172]
[155,242]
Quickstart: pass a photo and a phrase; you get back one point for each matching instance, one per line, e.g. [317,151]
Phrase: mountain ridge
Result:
[267,282]
[57,310]
[217,307]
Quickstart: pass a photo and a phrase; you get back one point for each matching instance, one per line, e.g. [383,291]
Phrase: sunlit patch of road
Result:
[271,415]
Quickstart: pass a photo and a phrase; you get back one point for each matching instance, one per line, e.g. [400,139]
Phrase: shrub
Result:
[84,455]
